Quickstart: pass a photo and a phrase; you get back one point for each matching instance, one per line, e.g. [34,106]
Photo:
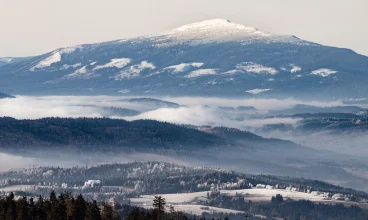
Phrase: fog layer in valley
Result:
[246,114]
[191,110]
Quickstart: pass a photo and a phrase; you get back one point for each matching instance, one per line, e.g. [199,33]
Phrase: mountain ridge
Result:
[195,64]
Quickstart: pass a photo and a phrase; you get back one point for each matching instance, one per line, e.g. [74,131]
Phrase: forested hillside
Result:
[100,133]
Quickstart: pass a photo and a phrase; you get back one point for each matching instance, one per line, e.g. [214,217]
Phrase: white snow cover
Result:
[295,68]
[199,209]
[92,183]
[257,91]
[6,59]
[118,63]
[183,67]
[324,72]
[135,70]
[81,73]
[232,72]
[55,57]
[256,68]
[67,66]
[70,49]
[201,72]
[222,30]
[48,61]
[188,201]
[216,29]
[124,91]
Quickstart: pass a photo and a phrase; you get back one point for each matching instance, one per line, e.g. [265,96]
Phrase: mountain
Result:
[211,58]
[3,96]
[9,60]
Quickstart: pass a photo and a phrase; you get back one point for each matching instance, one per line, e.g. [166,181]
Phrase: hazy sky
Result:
[31,27]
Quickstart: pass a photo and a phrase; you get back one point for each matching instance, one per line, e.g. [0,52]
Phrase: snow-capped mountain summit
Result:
[218,29]
[222,30]
[210,58]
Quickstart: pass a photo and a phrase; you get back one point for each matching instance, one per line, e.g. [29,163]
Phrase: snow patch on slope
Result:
[135,70]
[67,66]
[256,68]
[324,72]
[183,67]
[70,49]
[295,68]
[201,72]
[118,63]
[55,57]
[81,73]
[230,72]
[6,59]
[48,61]
[257,91]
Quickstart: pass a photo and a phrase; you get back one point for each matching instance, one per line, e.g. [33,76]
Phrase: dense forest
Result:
[61,207]
[103,133]
[100,133]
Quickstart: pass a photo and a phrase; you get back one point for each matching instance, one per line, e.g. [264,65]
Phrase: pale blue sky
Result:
[31,27]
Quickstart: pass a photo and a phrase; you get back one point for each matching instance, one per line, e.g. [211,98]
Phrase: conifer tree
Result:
[22,209]
[93,212]
[10,207]
[32,210]
[40,209]
[159,206]
[80,207]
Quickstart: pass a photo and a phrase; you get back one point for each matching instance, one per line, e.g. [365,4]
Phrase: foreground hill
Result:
[210,58]
[194,190]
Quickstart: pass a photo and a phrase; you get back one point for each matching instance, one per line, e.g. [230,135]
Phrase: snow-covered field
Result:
[266,194]
[14,188]
[189,202]
[249,194]
[172,198]
[186,202]
[199,209]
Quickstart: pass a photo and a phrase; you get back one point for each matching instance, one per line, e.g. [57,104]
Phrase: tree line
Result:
[62,207]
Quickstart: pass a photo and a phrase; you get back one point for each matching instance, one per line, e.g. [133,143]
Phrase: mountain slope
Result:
[210,58]
[9,60]
[3,96]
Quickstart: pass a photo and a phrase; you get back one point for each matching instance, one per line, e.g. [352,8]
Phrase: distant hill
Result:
[10,60]
[3,95]
[154,102]
[310,109]
[105,132]
[101,133]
